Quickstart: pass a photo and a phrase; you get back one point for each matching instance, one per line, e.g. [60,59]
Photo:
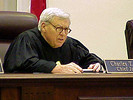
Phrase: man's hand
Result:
[96,67]
[70,68]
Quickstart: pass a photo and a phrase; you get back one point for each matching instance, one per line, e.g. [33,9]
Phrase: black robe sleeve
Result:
[22,56]
[83,57]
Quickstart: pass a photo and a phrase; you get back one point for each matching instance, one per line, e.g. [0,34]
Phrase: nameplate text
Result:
[119,66]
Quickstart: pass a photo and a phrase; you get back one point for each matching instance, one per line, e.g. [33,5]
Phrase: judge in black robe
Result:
[30,52]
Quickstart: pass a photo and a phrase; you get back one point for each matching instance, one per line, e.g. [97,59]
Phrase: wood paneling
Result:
[10,93]
[65,87]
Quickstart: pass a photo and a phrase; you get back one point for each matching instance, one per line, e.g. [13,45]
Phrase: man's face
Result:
[49,31]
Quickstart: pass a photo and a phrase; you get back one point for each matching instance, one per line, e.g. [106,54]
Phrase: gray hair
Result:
[49,13]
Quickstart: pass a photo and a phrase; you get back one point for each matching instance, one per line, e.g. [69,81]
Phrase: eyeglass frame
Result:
[68,29]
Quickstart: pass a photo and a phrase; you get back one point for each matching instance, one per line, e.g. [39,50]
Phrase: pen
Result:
[58,63]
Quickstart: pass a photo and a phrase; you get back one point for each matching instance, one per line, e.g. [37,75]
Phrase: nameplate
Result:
[119,66]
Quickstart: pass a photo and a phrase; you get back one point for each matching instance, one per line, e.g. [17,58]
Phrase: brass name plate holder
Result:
[119,66]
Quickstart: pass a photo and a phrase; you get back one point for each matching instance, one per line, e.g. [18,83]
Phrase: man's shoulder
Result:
[70,40]
[28,35]
[31,33]
[73,40]
[76,43]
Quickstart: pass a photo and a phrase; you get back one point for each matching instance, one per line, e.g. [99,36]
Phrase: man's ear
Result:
[43,27]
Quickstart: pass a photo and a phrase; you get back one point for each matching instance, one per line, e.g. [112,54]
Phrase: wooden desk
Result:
[65,87]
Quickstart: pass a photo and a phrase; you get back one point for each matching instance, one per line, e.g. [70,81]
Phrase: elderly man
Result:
[48,49]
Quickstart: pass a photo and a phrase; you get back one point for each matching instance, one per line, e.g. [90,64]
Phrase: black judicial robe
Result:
[29,52]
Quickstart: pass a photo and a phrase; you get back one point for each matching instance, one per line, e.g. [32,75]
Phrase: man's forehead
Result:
[60,21]
[56,18]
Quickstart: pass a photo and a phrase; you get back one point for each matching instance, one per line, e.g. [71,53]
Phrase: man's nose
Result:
[63,32]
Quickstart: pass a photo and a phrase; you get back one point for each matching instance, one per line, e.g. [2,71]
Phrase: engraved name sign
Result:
[119,66]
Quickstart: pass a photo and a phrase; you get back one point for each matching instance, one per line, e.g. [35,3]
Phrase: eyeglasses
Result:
[60,29]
